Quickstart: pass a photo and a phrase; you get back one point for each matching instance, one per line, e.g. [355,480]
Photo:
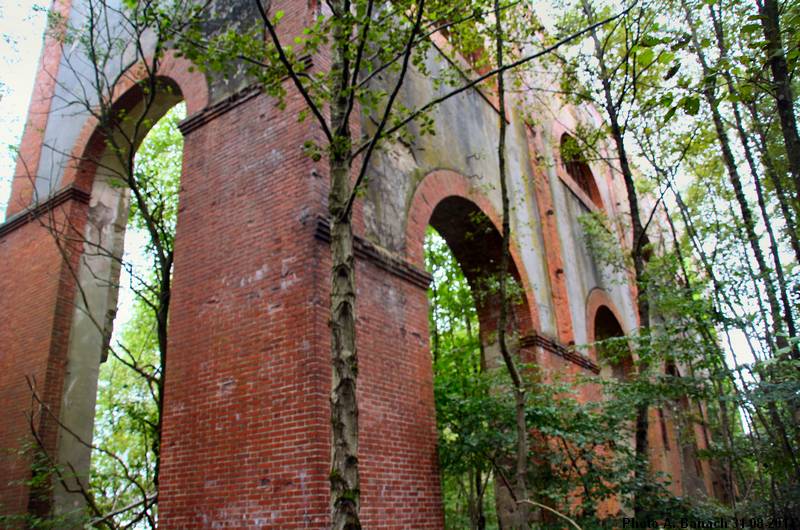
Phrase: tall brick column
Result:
[247,419]
[36,295]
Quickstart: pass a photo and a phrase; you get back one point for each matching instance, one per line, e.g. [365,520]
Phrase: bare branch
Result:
[515,64]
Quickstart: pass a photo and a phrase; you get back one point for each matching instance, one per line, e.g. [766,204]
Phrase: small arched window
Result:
[574,161]
[615,353]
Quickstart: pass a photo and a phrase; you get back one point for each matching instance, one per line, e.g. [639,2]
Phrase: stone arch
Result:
[446,196]
[599,299]
[564,124]
[604,321]
[467,221]
[92,169]
[577,168]
[179,82]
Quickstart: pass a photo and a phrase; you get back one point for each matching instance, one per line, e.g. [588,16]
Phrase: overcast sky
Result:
[21,36]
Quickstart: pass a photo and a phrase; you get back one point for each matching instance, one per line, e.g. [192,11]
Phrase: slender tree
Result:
[769,16]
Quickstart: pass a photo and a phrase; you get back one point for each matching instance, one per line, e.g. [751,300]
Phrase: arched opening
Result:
[476,244]
[576,166]
[113,391]
[131,379]
[458,360]
[462,253]
[611,346]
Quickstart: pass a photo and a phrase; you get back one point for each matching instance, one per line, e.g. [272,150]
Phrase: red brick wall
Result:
[36,296]
[246,437]
[397,416]
[246,434]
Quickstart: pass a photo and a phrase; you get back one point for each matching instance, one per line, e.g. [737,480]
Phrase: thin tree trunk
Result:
[345,494]
[521,469]
[781,84]
[435,324]
[772,174]
[162,319]
[344,477]
[480,490]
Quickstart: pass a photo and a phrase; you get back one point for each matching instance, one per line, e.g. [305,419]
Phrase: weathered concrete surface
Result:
[92,325]
[465,141]
[75,89]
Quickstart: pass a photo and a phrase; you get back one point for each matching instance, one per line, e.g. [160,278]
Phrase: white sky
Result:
[21,36]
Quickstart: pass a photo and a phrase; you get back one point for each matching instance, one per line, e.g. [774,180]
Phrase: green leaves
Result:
[576,446]
[751,29]
[126,416]
[312,150]
[690,105]
[645,57]
[157,175]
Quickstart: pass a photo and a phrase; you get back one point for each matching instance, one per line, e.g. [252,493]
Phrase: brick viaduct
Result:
[246,425]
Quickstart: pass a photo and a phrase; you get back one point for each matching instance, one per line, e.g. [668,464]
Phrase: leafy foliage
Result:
[699,94]
[582,450]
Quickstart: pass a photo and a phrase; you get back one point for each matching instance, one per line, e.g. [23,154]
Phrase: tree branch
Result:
[421,110]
